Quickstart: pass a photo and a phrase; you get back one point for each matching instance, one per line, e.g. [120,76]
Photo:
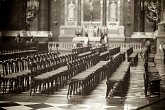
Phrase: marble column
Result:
[43,17]
[139,17]
[161,27]
[79,13]
[104,13]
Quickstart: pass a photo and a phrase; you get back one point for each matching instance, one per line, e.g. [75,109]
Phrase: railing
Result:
[136,46]
[69,45]
[60,45]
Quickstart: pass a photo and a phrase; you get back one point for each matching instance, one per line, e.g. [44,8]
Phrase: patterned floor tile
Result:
[38,106]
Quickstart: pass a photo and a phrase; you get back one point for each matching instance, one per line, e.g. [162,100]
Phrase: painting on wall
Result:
[92,10]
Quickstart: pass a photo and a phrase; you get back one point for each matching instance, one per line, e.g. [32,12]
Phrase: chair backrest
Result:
[129,51]
[34,69]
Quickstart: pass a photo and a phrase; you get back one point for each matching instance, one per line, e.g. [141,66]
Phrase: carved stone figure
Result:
[113,10]
[71,11]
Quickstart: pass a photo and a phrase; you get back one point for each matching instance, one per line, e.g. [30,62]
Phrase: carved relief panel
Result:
[92,10]
[113,12]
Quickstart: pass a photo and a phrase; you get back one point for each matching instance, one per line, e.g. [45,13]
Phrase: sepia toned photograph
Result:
[82,54]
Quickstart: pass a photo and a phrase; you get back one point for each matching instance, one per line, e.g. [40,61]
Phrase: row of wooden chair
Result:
[151,74]
[16,51]
[132,56]
[84,82]
[106,55]
[80,50]
[48,81]
[118,75]
[17,72]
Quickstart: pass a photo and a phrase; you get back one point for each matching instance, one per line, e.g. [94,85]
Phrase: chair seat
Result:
[104,53]
[25,72]
[51,73]
[81,76]
[84,54]
[12,75]
[117,76]
[134,54]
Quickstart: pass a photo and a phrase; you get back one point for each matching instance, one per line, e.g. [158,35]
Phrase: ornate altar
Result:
[91,15]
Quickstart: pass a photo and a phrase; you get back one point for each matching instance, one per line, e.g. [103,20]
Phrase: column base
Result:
[67,33]
[116,33]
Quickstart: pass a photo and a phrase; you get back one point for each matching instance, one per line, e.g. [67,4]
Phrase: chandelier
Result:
[31,10]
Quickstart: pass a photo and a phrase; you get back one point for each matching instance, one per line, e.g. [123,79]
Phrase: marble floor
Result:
[95,100]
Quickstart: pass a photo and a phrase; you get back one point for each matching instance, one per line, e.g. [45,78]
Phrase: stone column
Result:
[79,13]
[104,12]
[139,18]
[82,13]
[43,24]
[107,10]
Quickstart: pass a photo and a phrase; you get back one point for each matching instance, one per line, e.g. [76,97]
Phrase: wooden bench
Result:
[151,78]
[132,56]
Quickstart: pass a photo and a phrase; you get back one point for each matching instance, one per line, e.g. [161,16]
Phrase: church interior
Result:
[82,54]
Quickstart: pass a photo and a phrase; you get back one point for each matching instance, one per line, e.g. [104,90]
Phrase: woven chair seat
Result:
[25,72]
[134,54]
[81,76]
[12,75]
[117,76]
[51,73]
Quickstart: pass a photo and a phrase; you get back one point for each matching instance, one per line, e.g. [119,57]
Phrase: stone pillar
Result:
[104,12]
[161,29]
[82,14]
[139,17]
[79,13]
[107,10]
[43,24]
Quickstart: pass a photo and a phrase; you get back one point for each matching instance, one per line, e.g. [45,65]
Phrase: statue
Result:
[91,8]
[71,12]
[113,10]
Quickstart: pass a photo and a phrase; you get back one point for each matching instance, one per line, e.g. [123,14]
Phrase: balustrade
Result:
[69,45]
